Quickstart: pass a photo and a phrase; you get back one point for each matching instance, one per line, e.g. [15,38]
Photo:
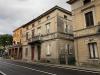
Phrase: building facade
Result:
[49,37]
[16,50]
[86,27]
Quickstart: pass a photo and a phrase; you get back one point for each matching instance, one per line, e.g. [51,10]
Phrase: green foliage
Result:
[5,40]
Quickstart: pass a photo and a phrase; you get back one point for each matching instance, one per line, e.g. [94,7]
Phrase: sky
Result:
[14,13]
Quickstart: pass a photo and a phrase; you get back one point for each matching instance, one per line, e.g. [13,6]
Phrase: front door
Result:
[32,53]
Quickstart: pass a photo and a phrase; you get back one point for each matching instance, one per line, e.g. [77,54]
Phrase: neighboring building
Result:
[86,26]
[49,37]
[16,49]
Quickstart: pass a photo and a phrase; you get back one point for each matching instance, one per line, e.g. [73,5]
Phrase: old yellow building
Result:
[86,26]
[16,50]
[17,35]
[49,37]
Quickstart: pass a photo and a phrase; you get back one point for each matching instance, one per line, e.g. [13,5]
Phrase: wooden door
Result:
[32,53]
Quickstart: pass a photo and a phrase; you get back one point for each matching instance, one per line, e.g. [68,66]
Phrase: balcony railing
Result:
[56,35]
[35,39]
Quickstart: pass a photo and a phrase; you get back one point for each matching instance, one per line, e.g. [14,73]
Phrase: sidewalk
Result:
[85,69]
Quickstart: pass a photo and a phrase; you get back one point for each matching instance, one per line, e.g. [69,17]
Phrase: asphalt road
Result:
[8,67]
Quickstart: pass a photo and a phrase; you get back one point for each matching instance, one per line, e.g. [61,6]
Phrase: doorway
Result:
[32,51]
[39,51]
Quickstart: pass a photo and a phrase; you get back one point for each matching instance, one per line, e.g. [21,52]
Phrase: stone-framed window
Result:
[48,17]
[89,19]
[27,27]
[69,49]
[66,28]
[27,35]
[39,21]
[33,31]
[65,17]
[48,28]
[48,53]
[93,52]
[39,30]
[33,25]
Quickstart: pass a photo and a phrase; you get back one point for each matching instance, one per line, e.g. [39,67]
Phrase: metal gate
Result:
[62,59]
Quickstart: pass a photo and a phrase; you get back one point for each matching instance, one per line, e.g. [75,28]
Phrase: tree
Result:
[6,40]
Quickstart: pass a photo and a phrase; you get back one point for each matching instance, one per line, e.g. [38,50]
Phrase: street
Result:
[8,67]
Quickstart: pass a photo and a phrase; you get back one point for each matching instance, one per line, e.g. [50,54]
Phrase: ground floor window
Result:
[93,50]
[69,49]
[26,52]
[48,49]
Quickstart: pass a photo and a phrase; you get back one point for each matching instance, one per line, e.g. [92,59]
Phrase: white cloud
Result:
[14,13]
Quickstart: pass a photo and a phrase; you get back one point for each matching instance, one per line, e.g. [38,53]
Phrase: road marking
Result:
[30,69]
[90,71]
[2,73]
[79,69]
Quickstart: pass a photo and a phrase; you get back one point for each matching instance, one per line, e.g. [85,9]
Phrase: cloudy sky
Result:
[14,13]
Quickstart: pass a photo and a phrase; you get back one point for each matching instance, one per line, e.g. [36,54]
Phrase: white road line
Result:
[90,71]
[78,69]
[30,68]
[2,73]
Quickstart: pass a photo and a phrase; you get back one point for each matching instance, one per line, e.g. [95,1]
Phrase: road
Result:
[8,67]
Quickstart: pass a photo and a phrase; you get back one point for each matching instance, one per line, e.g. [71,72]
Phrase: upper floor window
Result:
[33,25]
[65,17]
[48,27]
[39,30]
[27,27]
[18,42]
[93,50]
[26,35]
[89,19]
[48,17]
[33,33]
[86,1]
[66,28]
[39,21]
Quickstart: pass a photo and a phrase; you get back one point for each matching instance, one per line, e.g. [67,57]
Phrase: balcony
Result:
[94,30]
[35,39]
[57,35]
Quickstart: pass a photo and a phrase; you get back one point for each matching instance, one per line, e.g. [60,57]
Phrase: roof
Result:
[46,13]
[17,29]
[71,1]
